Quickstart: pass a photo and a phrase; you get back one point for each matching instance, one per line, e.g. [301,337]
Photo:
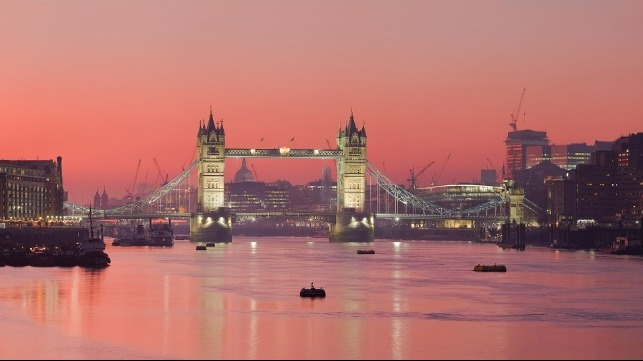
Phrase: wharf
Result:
[47,236]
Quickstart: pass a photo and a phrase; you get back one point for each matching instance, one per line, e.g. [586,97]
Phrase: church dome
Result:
[244,174]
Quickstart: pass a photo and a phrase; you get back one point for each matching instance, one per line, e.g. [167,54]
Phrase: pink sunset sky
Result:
[106,83]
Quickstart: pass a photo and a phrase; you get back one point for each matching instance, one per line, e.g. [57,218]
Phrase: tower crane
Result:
[414,177]
[131,194]
[514,117]
[435,179]
[255,172]
[384,168]
[494,168]
[160,174]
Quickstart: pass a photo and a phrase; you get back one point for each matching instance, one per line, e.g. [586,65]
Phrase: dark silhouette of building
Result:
[101,201]
[611,186]
[244,174]
[247,194]
[96,200]
[535,181]
[566,156]
[489,177]
[608,189]
[104,199]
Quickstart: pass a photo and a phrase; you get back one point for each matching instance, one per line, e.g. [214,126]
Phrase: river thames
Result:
[409,300]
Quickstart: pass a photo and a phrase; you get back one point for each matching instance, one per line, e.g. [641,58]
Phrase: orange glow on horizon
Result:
[103,84]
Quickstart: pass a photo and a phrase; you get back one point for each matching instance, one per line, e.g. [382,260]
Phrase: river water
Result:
[409,300]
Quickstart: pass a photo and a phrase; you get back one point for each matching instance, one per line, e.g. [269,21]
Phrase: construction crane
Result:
[491,164]
[415,177]
[255,172]
[131,194]
[514,116]
[436,178]
[384,168]
[160,174]
[494,168]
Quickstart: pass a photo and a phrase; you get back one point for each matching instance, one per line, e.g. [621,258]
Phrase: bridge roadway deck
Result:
[324,217]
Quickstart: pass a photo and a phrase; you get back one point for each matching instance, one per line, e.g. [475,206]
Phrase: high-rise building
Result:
[537,154]
[517,143]
[566,156]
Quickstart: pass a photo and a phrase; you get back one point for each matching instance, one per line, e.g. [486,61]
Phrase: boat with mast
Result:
[91,251]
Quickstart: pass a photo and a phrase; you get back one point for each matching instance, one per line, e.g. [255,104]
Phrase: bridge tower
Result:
[212,221]
[353,224]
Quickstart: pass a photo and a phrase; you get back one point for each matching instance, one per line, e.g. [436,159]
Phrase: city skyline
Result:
[104,84]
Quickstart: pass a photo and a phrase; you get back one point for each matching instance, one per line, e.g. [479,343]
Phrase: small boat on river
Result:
[312,292]
[490,268]
[365,251]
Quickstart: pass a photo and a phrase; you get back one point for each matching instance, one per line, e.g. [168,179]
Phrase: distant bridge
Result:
[393,200]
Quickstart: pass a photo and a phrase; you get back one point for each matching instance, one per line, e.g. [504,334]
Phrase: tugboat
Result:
[91,251]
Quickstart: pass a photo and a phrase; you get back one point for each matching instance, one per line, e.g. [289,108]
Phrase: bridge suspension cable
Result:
[137,205]
[403,195]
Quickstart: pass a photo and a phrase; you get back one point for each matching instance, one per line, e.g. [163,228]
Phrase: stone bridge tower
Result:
[353,223]
[212,221]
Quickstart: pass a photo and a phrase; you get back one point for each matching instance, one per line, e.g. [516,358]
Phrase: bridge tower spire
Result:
[353,223]
[212,221]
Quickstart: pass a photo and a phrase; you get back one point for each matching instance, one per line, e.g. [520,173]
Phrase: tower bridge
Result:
[356,210]
[213,221]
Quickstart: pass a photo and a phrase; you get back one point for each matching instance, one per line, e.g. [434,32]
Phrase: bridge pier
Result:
[353,226]
[215,226]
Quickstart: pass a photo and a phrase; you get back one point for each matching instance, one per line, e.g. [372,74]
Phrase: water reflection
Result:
[409,300]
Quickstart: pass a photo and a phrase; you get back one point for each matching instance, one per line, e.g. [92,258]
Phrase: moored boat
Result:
[94,260]
[65,255]
[40,256]
[91,251]
[160,234]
